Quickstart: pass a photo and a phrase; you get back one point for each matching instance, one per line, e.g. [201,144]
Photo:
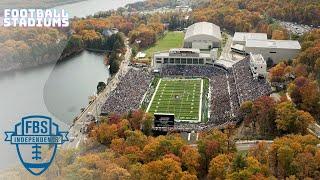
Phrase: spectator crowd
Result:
[129,92]
[228,89]
[248,88]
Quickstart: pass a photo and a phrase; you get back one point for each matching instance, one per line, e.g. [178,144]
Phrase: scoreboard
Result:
[163,120]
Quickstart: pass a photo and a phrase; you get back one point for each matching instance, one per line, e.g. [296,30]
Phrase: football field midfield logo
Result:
[36,139]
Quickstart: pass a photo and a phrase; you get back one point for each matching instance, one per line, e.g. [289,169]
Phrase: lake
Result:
[86,8]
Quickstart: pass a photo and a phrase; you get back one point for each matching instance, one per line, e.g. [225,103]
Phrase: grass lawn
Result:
[181,97]
[170,40]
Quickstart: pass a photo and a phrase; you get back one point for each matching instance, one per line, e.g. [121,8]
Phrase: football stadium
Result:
[192,84]
[181,97]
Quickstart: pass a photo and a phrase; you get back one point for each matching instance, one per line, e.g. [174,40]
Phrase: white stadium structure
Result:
[275,50]
[242,37]
[271,50]
[203,35]
[182,56]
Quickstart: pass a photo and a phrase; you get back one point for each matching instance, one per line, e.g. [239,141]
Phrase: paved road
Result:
[246,145]
[76,137]
[225,58]
[225,54]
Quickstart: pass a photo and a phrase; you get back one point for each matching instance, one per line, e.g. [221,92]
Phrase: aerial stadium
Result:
[192,85]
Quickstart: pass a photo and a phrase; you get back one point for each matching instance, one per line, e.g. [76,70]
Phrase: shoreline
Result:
[62,57]
[39,65]
[80,119]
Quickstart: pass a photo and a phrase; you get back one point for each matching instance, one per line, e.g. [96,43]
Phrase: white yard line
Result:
[154,94]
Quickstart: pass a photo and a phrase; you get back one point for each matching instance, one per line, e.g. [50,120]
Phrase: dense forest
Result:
[122,147]
[230,16]
[302,12]
[301,76]
[21,47]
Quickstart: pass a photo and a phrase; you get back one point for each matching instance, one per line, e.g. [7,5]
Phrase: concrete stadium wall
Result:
[281,54]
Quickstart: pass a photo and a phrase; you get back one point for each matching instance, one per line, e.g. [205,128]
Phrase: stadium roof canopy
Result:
[243,36]
[203,30]
[280,44]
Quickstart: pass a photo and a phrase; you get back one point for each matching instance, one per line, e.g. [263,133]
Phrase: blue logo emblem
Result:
[36,139]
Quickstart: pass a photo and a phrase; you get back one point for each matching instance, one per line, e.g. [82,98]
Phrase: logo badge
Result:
[36,139]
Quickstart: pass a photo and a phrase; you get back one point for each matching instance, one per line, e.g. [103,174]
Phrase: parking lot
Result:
[298,29]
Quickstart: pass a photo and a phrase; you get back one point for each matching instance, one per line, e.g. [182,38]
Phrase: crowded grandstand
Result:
[228,88]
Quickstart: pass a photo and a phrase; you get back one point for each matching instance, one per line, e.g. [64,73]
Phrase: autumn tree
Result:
[280,34]
[220,166]
[136,119]
[291,120]
[190,159]
[294,155]
[280,73]
[260,152]
[105,133]
[162,145]
[247,168]
[162,169]
[260,116]
[211,144]
[305,94]
[147,124]
[146,35]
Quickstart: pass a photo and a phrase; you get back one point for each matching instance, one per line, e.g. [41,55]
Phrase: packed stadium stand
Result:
[228,89]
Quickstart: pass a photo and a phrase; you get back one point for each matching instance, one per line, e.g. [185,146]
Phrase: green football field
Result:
[181,97]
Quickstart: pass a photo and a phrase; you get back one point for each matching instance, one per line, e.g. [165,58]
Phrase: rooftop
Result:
[167,54]
[238,47]
[280,44]
[203,28]
[184,50]
[243,36]
[257,58]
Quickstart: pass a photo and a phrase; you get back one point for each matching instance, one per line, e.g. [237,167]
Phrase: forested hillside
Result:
[303,12]
[21,47]
[301,76]
[119,148]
